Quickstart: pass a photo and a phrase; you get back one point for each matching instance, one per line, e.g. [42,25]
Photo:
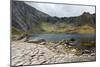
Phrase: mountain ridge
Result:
[28,19]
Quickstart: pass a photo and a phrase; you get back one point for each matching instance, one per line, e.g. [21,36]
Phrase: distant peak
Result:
[85,13]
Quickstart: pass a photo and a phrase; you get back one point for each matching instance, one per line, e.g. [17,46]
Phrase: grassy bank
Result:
[45,27]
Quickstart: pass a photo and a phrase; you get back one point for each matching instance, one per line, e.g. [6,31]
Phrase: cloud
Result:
[62,10]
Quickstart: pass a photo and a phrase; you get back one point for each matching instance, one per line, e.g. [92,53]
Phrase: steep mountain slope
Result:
[25,17]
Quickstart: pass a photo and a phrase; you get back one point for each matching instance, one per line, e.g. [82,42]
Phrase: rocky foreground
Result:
[24,53]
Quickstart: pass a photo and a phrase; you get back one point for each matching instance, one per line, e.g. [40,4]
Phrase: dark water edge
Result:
[59,37]
[83,41]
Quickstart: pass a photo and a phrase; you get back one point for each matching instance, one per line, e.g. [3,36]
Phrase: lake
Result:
[59,37]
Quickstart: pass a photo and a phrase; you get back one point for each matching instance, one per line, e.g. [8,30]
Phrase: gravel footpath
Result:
[23,53]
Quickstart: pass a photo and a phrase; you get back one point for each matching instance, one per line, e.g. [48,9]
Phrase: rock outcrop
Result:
[32,54]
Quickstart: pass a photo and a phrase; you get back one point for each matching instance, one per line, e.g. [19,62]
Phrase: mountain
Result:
[27,19]
[85,18]
[24,17]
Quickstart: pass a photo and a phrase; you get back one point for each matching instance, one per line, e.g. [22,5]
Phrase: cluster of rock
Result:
[24,53]
[71,45]
[40,51]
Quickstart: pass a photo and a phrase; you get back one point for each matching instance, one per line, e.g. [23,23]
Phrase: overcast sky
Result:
[62,10]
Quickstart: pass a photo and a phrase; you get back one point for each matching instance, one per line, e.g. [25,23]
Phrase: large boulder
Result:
[36,40]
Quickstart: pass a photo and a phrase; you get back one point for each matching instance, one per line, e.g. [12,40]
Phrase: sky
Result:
[62,10]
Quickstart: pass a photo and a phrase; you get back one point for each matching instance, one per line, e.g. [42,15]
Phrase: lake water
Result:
[59,37]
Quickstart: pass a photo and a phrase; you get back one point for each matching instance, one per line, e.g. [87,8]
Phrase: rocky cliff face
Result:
[24,17]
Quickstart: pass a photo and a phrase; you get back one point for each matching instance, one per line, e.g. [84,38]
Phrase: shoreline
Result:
[24,53]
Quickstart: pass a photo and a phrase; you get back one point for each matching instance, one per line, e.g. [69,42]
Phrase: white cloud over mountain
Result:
[62,10]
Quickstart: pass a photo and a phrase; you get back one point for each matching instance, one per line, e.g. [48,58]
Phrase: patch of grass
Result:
[16,31]
[66,28]
[59,27]
[56,28]
[47,27]
[88,44]
[85,29]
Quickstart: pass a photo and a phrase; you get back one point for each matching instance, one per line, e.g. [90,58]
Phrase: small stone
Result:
[85,54]
[43,43]
[65,45]
[69,46]
[93,54]
[74,50]
[86,51]
[42,59]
